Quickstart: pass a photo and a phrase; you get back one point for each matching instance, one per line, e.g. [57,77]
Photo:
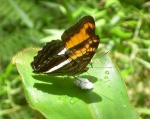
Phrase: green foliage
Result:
[50,94]
[122,26]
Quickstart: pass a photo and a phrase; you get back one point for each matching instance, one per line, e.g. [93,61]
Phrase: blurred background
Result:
[123,26]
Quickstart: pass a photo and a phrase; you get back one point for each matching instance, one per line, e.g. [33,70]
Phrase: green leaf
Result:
[57,98]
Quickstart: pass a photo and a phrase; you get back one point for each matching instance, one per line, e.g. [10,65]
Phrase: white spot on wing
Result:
[62,52]
[83,83]
[58,66]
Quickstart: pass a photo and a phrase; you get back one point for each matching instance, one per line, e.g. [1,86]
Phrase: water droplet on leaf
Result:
[74,100]
[106,77]
[106,72]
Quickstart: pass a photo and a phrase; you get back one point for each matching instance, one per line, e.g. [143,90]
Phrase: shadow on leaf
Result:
[60,86]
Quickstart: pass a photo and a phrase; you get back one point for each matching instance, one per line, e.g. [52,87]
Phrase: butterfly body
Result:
[71,55]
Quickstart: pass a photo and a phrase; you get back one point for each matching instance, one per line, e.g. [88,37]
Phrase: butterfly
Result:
[70,55]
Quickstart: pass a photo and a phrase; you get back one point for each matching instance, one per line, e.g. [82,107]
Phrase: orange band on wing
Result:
[90,47]
[81,36]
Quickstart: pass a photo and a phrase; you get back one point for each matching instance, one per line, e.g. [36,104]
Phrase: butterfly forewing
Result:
[48,57]
[78,33]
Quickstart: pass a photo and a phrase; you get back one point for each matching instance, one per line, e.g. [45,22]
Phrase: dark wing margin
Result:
[47,53]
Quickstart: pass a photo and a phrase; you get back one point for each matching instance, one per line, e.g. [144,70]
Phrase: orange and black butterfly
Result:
[71,55]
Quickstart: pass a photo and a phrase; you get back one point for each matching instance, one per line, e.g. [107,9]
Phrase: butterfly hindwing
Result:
[47,55]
